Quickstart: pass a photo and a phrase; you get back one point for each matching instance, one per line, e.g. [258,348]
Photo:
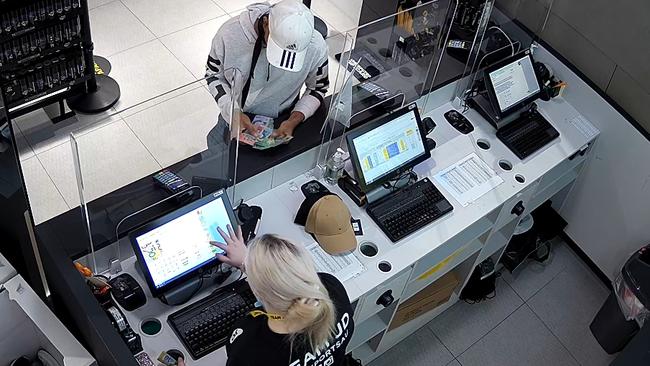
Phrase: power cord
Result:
[394,184]
[203,276]
[512,45]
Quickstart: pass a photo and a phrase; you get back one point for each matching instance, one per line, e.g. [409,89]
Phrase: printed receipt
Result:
[583,125]
[468,179]
[343,267]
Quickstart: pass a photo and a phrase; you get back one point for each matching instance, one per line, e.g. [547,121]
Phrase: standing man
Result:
[268,53]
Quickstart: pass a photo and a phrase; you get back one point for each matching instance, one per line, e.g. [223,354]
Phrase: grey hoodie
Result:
[272,90]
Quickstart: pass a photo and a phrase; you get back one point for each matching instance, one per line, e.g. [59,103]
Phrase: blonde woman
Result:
[307,318]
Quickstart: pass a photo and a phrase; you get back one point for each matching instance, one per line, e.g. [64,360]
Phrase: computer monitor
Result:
[512,84]
[176,247]
[383,149]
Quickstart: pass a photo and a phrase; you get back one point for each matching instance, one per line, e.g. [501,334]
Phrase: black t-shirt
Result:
[252,343]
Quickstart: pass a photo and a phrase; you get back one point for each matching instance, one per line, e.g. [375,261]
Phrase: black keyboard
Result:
[206,325]
[409,209]
[527,134]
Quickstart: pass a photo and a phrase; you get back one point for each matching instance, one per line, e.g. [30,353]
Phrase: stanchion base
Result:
[106,95]
[103,64]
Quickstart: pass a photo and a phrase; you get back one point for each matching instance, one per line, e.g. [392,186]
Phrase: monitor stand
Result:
[484,107]
[182,293]
[380,192]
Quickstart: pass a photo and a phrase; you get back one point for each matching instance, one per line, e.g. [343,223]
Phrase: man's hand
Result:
[247,125]
[180,362]
[286,128]
[234,247]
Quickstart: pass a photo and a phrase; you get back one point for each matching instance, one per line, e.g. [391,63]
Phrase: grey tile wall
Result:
[579,50]
[532,14]
[508,7]
[619,28]
[631,96]
[605,40]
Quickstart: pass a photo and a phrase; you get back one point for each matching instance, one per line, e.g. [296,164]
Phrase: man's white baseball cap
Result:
[291,25]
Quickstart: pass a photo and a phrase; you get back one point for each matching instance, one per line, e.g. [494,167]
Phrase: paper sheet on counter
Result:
[343,267]
[468,179]
[583,125]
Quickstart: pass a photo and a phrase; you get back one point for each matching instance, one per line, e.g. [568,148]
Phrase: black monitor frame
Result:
[492,94]
[369,126]
[133,235]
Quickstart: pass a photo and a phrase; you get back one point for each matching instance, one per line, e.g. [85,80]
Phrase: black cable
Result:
[410,174]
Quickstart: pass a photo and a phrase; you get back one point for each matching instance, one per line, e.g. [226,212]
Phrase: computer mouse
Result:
[459,122]
[127,292]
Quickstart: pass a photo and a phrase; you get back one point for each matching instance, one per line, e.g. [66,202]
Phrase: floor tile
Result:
[335,17]
[192,45]
[176,129]
[163,17]
[92,4]
[46,202]
[235,7]
[567,305]
[463,324]
[145,72]
[103,152]
[419,349]
[42,134]
[115,29]
[25,151]
[522,339]
[536,275]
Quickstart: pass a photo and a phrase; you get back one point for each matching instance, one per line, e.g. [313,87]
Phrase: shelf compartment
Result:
[435,270]
[498,240]
[371,327]
[553,188]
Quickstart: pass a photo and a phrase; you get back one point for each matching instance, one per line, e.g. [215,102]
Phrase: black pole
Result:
[102,91]
[16,242]
[88,46]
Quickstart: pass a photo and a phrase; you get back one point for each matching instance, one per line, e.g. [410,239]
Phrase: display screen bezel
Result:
[369,126]
[492,93]
[156,291]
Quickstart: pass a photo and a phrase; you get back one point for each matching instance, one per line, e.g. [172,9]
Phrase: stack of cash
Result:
[263,140]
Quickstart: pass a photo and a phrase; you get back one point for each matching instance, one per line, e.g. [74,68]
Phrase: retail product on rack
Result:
[45,51]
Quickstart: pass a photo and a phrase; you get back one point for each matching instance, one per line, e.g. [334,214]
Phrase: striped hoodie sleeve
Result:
[218,84]
[317,84]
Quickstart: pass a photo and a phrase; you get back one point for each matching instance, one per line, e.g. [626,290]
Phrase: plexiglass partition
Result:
[496,35]
[384,65]
[183,134]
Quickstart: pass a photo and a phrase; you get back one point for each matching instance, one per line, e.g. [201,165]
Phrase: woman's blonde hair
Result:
[283,277]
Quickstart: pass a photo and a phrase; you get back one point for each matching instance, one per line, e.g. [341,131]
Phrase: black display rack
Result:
[46,54]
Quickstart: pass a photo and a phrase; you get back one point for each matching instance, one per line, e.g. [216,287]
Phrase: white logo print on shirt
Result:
[236,333]
[325,357]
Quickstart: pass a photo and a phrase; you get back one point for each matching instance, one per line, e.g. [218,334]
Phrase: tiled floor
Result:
[155,47]
[541,317]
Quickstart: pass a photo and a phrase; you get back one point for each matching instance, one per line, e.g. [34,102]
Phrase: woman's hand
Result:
[235,249]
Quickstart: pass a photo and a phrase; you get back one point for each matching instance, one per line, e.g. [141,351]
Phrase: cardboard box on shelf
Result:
[426,300]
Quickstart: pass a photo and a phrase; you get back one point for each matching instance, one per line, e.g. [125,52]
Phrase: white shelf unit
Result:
[27,325]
